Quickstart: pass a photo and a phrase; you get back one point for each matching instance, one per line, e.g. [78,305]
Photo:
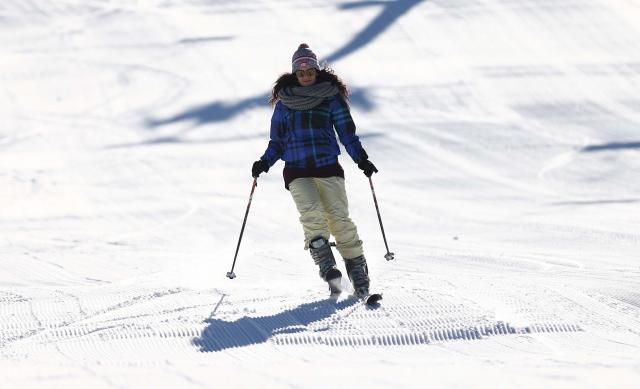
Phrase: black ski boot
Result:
[359,275]
[323,257]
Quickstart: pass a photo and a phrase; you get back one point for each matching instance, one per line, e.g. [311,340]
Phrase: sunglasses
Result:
[305,73]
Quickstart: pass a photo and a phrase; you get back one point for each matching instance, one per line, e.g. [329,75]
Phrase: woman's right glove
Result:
[367,167]
[258,167]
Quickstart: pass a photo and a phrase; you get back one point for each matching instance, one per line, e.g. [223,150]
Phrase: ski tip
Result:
[373,299]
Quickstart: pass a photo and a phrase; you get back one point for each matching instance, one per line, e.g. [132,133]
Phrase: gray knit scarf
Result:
[307,97]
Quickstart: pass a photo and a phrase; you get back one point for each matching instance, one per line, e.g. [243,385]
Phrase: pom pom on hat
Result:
[304,59]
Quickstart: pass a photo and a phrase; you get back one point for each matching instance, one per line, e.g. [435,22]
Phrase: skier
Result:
[309,103]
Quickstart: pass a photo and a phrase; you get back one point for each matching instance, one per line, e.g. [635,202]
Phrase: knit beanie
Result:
[304,59]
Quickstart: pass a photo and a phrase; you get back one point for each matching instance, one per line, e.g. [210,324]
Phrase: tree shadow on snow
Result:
[176,139]
[221,111]
[220,335]
[612,146]
[391,11]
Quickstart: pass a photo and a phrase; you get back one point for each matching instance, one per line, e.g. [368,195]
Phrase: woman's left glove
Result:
[258,167]
[367,167]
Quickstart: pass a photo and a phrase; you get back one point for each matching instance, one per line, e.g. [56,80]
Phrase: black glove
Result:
[367,167]
[258,167]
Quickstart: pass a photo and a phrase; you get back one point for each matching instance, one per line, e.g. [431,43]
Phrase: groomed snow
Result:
[507,138]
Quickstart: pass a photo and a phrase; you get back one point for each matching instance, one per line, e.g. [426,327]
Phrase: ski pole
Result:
[231,274]
[389,256]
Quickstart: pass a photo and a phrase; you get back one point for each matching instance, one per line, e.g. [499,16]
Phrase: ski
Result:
[372,299]
[334,281]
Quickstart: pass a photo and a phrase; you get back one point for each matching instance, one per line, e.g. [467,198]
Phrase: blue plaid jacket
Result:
[306,138]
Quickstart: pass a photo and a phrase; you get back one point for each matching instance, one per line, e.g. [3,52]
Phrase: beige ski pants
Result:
[323,207]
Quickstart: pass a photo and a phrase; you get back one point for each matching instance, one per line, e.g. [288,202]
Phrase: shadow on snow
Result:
[221,111]
[219,334]
[175,140]
[391,11]
[611,146]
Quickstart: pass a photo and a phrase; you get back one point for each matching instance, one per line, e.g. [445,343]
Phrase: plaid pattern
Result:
[306,138]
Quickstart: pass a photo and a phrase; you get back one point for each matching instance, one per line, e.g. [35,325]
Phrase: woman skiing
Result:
[309,103]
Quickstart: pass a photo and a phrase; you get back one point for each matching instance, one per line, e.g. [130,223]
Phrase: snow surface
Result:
[507,137]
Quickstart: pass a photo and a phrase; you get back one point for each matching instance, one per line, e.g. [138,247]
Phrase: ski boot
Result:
[359,275]
[323,257]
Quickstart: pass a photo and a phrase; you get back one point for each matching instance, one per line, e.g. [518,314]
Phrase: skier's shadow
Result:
[219,334]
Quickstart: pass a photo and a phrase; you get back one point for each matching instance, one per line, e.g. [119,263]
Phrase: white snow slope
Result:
[506,133]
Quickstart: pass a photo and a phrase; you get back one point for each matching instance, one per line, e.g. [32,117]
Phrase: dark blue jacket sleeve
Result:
[276,143]
[346,129]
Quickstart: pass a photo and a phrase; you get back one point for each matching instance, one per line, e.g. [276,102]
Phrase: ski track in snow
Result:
[506,137]
[182,321]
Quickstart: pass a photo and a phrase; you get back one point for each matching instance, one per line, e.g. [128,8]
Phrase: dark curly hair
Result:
[290,79]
